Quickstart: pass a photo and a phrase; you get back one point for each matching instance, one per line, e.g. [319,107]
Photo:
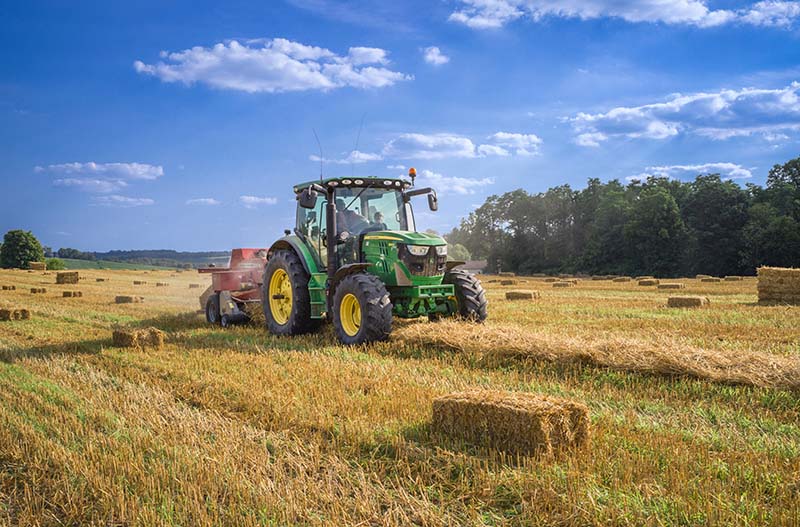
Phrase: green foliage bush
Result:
[55,264]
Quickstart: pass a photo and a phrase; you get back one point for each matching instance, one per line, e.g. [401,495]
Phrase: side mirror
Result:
[307,198]
[433,202]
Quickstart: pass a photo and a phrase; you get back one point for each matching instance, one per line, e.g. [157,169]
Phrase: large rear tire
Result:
[470,296]
[362,310]
[212,309]
[285,297]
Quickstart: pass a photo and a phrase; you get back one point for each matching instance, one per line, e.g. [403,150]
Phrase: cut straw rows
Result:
[503,342]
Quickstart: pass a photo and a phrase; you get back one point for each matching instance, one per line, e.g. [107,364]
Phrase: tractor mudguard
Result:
[452,264]
[348,270]
[294,243]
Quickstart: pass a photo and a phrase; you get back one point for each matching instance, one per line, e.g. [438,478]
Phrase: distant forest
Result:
[163,258]
[659,226]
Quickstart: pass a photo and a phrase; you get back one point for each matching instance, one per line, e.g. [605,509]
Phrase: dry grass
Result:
[235,427]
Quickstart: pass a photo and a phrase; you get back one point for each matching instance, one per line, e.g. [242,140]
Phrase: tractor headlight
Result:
[418,250]
[441,250]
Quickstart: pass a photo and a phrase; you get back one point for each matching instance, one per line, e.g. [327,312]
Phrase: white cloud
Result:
[124,171]
[491,14]
[396,167]
[717,115]
[451,184]
[729,170]
[444,145]
[433,55]
[100,186]
[274,65]
[252,202]
[354,157]
[115,200]
[202,201]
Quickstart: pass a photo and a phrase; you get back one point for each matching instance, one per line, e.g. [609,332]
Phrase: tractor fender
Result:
[452,264]
[295,244]
[346,271]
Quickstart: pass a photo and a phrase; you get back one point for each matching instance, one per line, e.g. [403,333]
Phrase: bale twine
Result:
[563,284]
[37,266]
[38,290]
[687,301]
[734,278]
[621,279]
[672,286]
[72,294]
[513,422]
[649,281]
[778,285]
[711,280]
[125,299]
[138,338]
[509,282]
[67,277]
[521,294]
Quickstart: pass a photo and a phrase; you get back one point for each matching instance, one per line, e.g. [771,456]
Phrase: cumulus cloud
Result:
[729,170]
[396,167]
[490,14]
[433,55]
[101,178]
[202,201]
[452,184]
[274,65]
[717,115]
[115,200]
[252,202]
[354,157]
[445,145]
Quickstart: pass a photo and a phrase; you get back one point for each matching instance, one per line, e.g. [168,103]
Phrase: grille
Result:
[430,264]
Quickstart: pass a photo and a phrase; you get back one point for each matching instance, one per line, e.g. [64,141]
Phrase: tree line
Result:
[659,226]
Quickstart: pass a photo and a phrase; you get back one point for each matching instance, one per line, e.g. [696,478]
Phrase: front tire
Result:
[470,296]
[362,310]
[285,297]
[212,309]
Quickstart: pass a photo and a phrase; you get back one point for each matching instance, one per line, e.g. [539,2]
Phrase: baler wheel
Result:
[212,309]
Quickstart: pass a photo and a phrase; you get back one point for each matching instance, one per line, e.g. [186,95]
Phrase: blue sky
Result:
[184,124]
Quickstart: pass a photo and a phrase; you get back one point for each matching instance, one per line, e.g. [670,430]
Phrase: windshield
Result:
[364,209]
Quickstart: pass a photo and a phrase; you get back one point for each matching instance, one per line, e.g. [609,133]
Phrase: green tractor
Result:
[356,259]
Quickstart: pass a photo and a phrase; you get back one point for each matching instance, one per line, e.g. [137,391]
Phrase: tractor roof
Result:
[397,183]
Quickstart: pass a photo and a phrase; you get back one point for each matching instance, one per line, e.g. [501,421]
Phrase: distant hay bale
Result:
[125,299]
[138,338]
[645,277]
[734,278]
[563,284]
[9,288]
[197,286]
[507,274]
[14,314]
[513,422]
[23,314]
[710,280]
[509,282]
[139,282]
[687,301]
[6,314]
[67,277]
[161,284]
[38,290]
[493,281]
[621,279]
[538,275]
[551,279]
[99,279]
[37,266]
[672,286]
[778,285]
[649,281]
[520,294]
[72,294]
[701,276]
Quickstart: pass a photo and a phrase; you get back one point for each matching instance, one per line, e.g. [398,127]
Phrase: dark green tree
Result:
[656,233]
[20,247]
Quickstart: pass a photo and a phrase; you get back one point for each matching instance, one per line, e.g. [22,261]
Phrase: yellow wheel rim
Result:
[280,296]
[350,314]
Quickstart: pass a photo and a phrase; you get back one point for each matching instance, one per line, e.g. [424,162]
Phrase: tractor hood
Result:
[407,237]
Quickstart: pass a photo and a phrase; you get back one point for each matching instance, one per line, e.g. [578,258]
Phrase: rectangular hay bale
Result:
[622,279]
[649,281]
[563,284]
[687,301]
[513,422]
[138,338]
[38,290]
[522,294]
[778,285]
[509,282]
[710,280]
[67,277]
[161,284]
[37,266]
[72,294]
[126,299]
[672,286]
[734,278]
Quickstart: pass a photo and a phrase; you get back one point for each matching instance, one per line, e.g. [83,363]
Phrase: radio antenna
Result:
[358,138]
[321,157]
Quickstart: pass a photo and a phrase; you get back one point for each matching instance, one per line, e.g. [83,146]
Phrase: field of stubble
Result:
[695,413]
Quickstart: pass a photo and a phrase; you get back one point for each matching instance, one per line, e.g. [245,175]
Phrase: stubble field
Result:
[695,413]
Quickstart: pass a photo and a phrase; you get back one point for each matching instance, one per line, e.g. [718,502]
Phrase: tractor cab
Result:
[356,258]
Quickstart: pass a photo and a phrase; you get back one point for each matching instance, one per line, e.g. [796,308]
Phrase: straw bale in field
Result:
[9,288]
[138,338]
[6,314]
[99,279]
[551,279]
[72,294]
[509,282]
[37,266]
[14,314]
[538,275]
[672,286]
[649,281]
[513,422]
[522,294]
[645,277]
[621,279]
[38,290]
[687,301]
[67,277]
[710,280]
[139,282]
[701,276]
[23,314]
[507,274]
[125,299]
[563,284]
[161,284]
[194,286]
[734,278]
[778,285]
